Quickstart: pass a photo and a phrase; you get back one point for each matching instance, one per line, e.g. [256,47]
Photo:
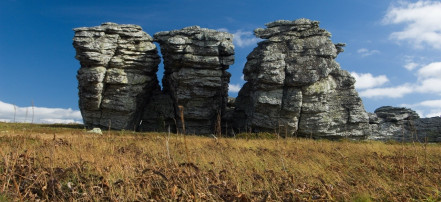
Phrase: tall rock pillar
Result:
[117,74]
[294,85]
[196,62]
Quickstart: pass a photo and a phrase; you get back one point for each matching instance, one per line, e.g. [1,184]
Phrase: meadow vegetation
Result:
[64,162]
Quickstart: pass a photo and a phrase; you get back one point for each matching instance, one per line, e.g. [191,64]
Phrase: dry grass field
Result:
[64,162]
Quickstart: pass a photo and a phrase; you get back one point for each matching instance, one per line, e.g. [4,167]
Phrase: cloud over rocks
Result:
[426,108]
[366,80]
[40,114]
[428,81]
[421,20]
[234,88]
[390,92]
[242,38]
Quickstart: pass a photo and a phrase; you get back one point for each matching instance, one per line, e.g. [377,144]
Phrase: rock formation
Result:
[294,85]
[402,124]
[117,74]
[195,63]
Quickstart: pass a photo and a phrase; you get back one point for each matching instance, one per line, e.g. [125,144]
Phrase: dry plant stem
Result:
[167,145]
[181,109]
[7,174]
[110,124]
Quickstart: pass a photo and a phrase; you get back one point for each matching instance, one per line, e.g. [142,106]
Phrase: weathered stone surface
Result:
[117,74]
[428,129]
[195,77]
[403,124]
[295,86]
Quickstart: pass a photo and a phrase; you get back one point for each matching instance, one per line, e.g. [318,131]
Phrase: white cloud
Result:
[242,38]
[64,121]
[430,71]
[432,85]
[428,82]
[429,78]
[422,22]
[41,114]
[390,92]
[234,88]
[431,103]
[222,29]
[364,52]
[242,77]
[427,108]
[366,80]
[411,66]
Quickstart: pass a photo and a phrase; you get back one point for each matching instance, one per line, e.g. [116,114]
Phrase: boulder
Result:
[295,87]
[396,114]
[117,74]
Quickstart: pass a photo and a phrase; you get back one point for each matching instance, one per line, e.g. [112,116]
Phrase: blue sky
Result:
[393,47]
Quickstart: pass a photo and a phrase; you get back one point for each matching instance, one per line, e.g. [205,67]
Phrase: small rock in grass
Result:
[96,131]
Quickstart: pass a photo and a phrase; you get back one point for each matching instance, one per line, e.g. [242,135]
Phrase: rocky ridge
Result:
[403,124]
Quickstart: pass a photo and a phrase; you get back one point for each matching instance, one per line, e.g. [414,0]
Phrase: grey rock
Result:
[294,85]
[117,74]
[396,114]
[195,77]
[427,129]
[96,131]
[403,124]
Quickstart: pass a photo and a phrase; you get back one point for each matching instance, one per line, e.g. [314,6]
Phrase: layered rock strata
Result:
[117,74]
[403,124]
[295,87]
[196,62]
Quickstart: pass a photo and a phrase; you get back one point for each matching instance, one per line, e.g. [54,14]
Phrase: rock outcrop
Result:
[294,85]
[403,124]
[195,77]
[117,74]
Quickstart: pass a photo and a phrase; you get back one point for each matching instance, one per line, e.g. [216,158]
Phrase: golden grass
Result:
[66,163]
